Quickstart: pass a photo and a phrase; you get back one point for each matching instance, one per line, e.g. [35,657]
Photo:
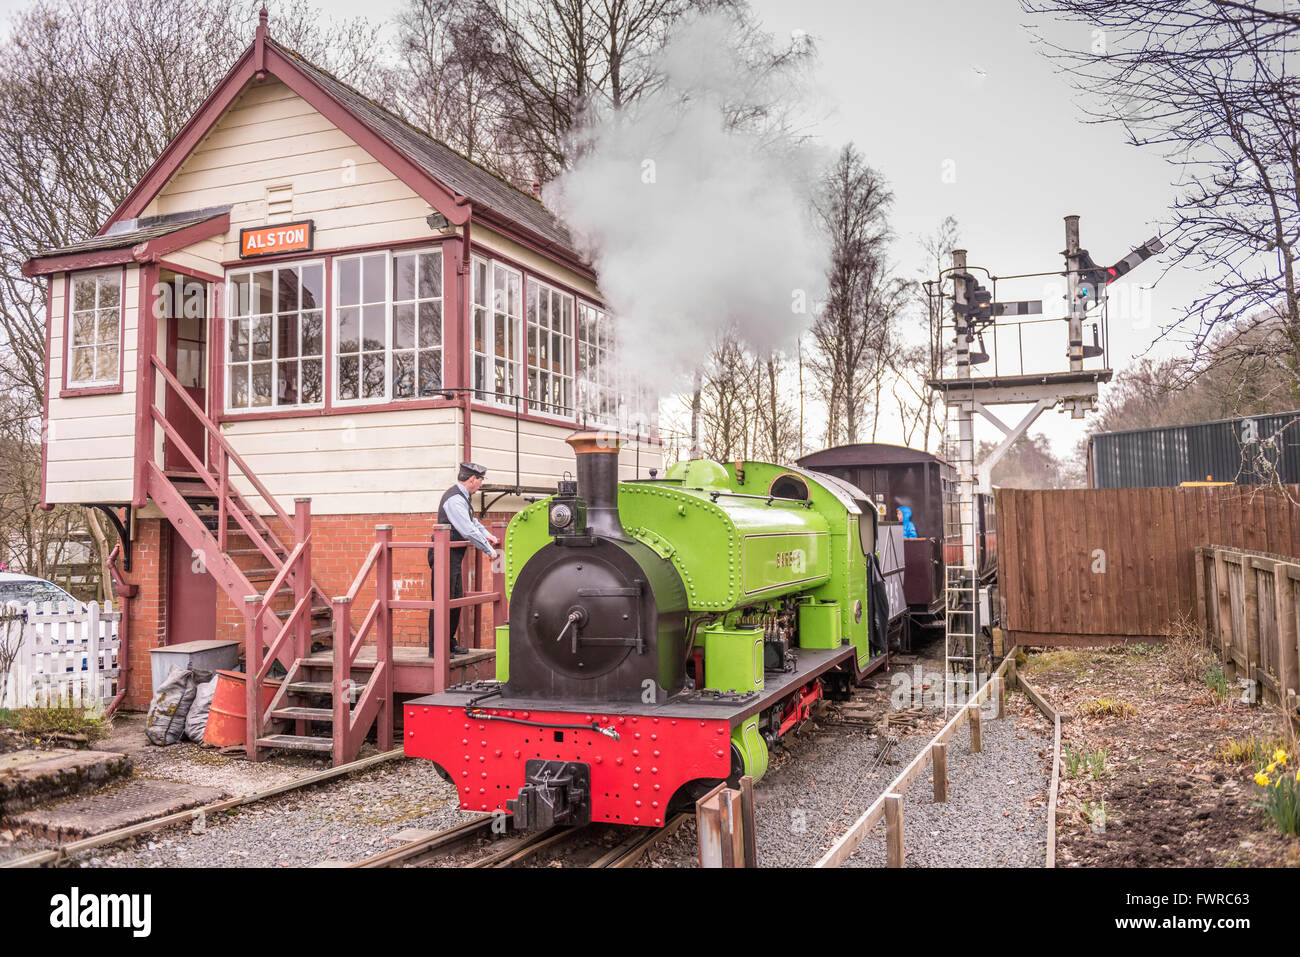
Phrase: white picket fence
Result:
[66,657]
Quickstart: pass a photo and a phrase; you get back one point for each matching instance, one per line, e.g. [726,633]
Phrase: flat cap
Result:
[478,470]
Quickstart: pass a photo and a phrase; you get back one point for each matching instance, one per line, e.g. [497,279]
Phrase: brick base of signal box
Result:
[340,546]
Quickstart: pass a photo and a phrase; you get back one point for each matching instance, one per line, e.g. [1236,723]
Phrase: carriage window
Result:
[95,329]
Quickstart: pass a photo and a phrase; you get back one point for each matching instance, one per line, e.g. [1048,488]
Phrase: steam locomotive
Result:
[664,634]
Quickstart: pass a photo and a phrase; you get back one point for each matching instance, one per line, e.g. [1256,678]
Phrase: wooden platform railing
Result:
[292,638]
[218,479]
[375,700]
[1248,605]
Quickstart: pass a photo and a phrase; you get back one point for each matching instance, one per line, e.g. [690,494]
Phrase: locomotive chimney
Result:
[597,455]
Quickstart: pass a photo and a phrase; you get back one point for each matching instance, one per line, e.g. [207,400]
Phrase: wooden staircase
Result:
[327,701]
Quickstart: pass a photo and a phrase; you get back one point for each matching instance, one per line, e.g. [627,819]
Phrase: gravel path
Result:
[996,813]
[344,820]
[206,767]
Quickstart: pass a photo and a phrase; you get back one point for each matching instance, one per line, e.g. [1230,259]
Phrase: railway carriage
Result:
[663,635]
[894,477]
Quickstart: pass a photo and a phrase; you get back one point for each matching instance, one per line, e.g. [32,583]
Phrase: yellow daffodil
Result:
[1271,768]
[1279,756]
[1261,779]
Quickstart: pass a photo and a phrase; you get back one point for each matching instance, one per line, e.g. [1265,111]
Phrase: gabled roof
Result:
[865,455]
[133,240]
[452,184]
[439,160]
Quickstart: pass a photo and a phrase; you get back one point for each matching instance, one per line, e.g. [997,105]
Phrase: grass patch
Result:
[1216,680]
[44,722]
[1107,708]
[1144,650]
[1058,659]
[1253,751]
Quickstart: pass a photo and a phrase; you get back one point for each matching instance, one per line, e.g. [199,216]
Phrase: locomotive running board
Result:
[735,708]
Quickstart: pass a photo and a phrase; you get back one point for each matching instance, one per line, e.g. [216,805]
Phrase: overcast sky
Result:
[925,87]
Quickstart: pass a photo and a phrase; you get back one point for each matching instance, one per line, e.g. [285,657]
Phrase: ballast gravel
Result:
[996,812]
[344,820]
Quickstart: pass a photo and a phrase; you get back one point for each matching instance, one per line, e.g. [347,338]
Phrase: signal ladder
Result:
[961,574]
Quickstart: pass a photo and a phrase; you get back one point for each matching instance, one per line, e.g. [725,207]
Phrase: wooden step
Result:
[244,552]
[295,742]
[294,713]
[317,611]
[311,687]
[327,661]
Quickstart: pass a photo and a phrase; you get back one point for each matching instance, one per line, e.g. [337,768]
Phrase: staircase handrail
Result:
[224,443]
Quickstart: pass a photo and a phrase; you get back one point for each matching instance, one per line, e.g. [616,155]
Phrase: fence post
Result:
[939,760]
[999,697]
[252,666]
[302,574]
[92,654]
[1250,613]
[1224,604]
[441,596]
[894,829]
[384,639]
[976,728]
[342,677]
[1284,589]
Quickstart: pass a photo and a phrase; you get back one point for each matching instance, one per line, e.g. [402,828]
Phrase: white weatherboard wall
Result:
[271,137]
[544,455]
[90,439]
[402,460]
[352,464]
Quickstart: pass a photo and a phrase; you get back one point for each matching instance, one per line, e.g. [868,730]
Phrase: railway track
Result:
[585,846]
[66,853]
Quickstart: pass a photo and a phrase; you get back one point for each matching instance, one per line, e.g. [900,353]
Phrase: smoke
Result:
[694,203]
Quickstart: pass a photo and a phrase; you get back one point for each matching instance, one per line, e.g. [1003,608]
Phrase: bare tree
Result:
[93,92]
[852,334]
[537,66]
[727,409]
[1209,84]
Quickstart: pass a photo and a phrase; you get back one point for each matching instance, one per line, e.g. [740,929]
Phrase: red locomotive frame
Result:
[633,778]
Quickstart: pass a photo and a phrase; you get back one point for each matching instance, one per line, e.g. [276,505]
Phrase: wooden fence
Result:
[1248,604]
[59,657]
[1094,566]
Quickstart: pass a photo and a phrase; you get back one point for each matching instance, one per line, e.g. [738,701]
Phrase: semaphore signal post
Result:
[970,602]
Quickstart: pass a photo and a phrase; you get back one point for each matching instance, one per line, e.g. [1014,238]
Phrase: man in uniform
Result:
[454,509]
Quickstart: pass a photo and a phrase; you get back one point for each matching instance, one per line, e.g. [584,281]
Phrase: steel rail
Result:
[65,852]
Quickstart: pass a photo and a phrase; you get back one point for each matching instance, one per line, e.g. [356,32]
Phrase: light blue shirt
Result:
[462,519]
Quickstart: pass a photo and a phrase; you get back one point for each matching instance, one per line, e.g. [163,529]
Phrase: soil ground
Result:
[1172,795]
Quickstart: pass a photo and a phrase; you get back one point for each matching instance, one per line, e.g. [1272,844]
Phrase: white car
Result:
[17,591]
[28,588]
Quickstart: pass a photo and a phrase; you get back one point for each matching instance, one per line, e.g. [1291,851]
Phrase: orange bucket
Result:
[227,719]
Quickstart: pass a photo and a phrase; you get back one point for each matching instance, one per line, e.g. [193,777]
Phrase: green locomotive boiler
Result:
[663,635]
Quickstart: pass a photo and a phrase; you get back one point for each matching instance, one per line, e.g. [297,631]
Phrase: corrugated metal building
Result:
[1252,450]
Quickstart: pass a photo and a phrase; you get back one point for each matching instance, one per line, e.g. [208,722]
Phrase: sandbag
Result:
[197,720]
[170,707]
